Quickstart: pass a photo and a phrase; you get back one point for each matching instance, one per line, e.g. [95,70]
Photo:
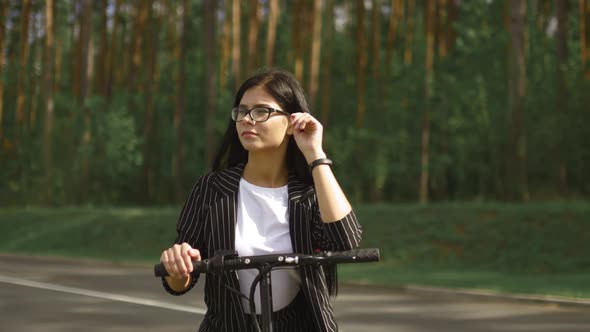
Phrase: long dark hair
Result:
[288,93]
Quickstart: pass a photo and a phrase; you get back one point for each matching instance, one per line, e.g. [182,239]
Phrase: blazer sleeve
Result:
[190,227]
[344,234]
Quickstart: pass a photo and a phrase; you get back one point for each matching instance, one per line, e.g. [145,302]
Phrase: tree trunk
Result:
[451,17]
[85,79]
[361,63]
[327,58]
[585,36]
[86,49]
[22,72]
[379,172]
[36,61]
[225,45]
[76,57]
[152,80]
[58,63]
[376,40]
[442,28]
[49,83]
[112,53]
[397,13]
[102,52]
[209,29]
[315,54]
[518,76]
[409,32]
[273,17]
[3,25]
[236,72]
[306,37]
[178,161]
[428,85]
[90,57]
[562,92]
[254,27]
[17,147]
[135,59]
[298,27]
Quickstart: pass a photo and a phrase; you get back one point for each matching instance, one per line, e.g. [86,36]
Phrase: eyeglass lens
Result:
[257,114]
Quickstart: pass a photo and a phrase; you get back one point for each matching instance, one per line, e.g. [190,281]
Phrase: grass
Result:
[532,248]
[117,234]
[574,285]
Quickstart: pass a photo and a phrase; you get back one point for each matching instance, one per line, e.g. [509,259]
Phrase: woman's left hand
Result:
[308,132]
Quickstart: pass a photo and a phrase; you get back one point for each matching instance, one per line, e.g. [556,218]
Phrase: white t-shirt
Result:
[263,228]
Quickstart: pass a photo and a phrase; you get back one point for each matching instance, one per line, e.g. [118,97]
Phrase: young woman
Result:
[271,190]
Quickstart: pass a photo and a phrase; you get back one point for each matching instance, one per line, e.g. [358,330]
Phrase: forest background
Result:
[117,102]
[457,127]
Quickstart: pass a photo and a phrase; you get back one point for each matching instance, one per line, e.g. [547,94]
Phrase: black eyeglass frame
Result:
[235,111]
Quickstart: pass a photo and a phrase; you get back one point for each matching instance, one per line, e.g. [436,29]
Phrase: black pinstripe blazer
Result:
[207,222]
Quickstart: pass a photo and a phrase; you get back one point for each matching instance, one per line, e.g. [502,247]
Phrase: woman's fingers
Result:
[186,257]
[195,254]
[302,120]
[168,261]
[174,270]
[178,260]
[307,132]
[299,122]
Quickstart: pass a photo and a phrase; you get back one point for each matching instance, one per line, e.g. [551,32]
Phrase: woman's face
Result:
[257,136]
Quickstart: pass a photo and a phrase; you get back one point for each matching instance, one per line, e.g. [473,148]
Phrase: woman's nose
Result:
[248,119]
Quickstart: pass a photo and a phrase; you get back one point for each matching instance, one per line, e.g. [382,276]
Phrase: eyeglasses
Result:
[257,114]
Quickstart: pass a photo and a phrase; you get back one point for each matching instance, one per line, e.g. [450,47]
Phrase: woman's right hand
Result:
[178,260]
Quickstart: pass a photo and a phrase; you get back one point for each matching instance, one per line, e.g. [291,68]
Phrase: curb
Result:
[559,300]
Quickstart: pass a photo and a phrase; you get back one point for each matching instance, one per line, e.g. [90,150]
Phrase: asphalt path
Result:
[53,294]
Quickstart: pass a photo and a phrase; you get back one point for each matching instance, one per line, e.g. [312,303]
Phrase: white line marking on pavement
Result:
[101,295]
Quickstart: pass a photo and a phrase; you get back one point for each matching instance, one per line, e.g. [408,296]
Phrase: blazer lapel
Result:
[224,211]
[299,215]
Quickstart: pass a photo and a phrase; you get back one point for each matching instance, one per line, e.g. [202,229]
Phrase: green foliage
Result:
[122,155]
[469,107]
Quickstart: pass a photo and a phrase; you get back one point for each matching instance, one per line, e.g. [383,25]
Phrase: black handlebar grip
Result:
[198,267]
[160,270]
[355,256]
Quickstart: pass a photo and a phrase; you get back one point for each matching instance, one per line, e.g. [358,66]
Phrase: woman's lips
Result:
[248,133]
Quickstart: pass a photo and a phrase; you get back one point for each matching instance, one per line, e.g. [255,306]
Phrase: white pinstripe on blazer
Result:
[207,222]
